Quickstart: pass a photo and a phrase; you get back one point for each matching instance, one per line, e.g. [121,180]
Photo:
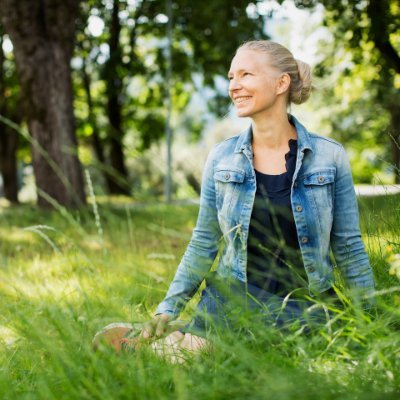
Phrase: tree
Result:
[9,102]
[42,33]
[369,31]
[113,74]
[205,36]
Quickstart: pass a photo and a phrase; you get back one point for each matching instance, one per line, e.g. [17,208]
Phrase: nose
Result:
[234,84]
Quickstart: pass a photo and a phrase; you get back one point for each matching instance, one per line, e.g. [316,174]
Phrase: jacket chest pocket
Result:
[228,184]
[320,185]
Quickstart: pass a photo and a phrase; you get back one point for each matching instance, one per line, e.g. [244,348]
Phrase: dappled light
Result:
[199,199]
[54,302]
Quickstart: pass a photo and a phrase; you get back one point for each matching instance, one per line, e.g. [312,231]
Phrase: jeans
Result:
[228,305]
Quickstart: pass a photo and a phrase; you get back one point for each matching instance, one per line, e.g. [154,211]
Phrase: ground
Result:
[63,276]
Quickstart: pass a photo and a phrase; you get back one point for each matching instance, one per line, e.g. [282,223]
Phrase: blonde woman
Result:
[280,198]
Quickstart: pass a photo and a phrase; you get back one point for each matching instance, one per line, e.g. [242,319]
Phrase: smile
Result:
[241,99]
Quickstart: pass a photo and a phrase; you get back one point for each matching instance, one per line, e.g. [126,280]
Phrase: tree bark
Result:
[395,139]
[97,145]
[8,163]
[42,33]
[8,140]
[378,11]
[118,183]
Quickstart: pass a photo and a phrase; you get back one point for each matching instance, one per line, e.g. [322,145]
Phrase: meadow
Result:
[65,274]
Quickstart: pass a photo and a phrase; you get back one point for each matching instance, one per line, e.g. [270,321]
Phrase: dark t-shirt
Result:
[274,258]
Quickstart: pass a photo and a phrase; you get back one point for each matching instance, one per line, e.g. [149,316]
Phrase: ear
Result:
[283,84]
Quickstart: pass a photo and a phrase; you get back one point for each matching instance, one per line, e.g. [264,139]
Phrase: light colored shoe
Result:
[123,336]
[112,334]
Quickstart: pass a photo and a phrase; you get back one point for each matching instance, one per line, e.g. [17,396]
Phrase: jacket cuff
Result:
[164,308]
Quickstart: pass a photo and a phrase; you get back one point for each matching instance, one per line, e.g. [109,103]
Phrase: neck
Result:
[272,131]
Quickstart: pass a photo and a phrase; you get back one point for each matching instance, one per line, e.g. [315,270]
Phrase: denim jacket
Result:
[324,206]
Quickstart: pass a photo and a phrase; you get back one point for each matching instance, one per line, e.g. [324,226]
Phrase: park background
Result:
[107,112]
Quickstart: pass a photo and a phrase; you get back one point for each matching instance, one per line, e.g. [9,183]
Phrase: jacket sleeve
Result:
[346,242]
[201,251]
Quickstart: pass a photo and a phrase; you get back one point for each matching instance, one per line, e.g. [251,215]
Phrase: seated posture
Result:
[279,199]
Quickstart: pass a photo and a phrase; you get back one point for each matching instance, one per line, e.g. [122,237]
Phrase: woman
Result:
[280,197]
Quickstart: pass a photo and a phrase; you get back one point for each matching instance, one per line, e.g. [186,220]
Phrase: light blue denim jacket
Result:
[325,212]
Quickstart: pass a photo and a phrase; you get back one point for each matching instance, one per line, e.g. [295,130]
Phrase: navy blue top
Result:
[274,258]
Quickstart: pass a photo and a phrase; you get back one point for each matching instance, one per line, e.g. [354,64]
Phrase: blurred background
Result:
[126,97]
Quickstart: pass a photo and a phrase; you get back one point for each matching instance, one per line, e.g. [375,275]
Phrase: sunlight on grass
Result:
[16,236]
[53,301]
[7,336]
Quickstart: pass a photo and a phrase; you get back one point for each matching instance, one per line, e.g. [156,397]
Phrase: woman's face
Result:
[253,84]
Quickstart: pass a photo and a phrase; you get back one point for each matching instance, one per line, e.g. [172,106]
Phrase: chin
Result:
[243,113]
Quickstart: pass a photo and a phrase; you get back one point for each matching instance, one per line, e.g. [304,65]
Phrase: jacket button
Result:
[321,179]
[304,239]
[299,208]
[311,269]
[227,175]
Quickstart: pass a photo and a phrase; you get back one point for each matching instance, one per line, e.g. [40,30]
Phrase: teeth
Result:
[242,99]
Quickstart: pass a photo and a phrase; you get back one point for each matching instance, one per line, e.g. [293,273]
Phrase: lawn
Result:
[64,275]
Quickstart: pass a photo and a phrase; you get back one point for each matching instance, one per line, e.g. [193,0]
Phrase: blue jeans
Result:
[226,305]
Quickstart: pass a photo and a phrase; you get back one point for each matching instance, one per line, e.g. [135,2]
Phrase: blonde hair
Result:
[281,58]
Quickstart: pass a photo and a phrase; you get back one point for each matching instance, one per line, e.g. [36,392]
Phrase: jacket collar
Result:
[303,137]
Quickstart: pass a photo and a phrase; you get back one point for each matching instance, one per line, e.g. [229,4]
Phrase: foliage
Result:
[187,163]
[120,72]
[205,36]
[362,92]
[57,292]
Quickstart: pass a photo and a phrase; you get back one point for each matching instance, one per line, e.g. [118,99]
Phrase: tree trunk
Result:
[396,160]
[378,12]
[96,141]
[395,139]
[42,33]
[8,141]
[8,163]
[118,184]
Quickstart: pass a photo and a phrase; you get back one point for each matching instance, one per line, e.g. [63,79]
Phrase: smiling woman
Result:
[281,198]
[251,82]
[254,78]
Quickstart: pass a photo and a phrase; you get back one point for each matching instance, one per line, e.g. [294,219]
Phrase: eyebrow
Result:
[240,70]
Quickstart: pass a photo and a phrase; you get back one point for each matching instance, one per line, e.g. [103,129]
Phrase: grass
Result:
[62,278]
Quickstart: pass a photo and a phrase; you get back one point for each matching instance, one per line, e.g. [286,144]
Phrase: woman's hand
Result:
[156,328]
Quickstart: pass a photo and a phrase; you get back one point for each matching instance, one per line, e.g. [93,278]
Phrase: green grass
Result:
[61,280]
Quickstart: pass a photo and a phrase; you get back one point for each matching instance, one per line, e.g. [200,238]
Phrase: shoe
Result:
[123,336]
[112,334]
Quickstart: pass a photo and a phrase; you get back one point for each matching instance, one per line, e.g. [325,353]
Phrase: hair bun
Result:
[301,92]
